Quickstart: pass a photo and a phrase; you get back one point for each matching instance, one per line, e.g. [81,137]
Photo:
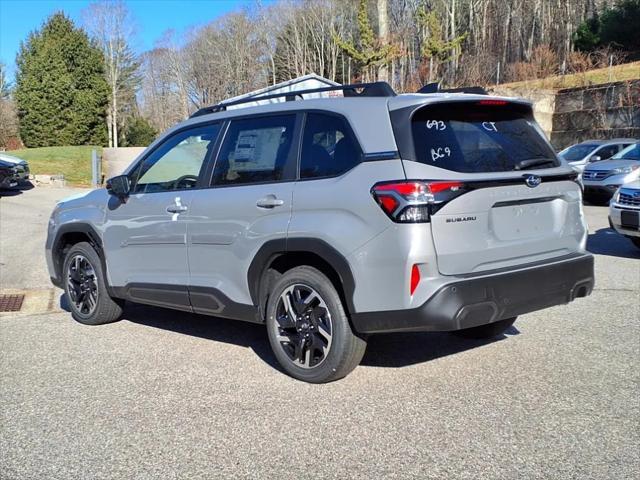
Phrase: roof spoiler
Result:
[374,89]
[435,88]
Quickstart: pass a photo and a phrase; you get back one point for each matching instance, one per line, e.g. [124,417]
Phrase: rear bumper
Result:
[472,301]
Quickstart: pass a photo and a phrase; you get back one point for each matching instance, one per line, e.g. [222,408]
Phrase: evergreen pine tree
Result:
[60,91]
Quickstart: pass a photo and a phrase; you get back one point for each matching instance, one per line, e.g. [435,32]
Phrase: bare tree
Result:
[5,86]
[111,25]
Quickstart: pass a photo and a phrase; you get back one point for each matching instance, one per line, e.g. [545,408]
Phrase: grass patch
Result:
[627,71]
[72,162]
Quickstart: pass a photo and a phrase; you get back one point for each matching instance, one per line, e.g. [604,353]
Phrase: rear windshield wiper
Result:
[532,162]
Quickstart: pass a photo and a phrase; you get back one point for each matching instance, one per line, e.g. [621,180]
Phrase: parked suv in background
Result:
[582,154]
[602,179]
[333,219]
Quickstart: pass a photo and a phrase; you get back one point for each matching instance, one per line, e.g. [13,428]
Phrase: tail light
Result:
[414,201]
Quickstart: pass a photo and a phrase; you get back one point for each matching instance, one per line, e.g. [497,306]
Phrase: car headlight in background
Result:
[620,170]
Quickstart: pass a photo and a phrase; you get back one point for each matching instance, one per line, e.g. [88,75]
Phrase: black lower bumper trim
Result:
[600,191]
[480,300]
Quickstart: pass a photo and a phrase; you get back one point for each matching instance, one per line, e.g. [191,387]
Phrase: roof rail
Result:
[435,88]
[374,89]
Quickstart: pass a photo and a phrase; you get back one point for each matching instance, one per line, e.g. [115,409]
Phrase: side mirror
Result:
[119,186]
[595,158]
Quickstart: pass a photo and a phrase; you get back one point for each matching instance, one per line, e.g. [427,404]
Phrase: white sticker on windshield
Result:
[440,152]
[436,124]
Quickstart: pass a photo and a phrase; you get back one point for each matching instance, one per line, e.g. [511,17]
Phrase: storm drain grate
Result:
[11,303]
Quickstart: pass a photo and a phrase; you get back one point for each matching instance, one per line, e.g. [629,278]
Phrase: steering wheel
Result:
[189,181]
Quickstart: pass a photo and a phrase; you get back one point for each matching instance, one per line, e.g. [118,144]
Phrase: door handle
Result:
[176,209]
[270,201]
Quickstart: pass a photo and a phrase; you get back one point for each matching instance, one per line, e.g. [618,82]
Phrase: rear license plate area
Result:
[630,219]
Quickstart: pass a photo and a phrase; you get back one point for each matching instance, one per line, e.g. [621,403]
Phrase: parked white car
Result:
[624,211]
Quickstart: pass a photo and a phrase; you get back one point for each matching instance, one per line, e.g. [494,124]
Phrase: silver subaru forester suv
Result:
[333,219]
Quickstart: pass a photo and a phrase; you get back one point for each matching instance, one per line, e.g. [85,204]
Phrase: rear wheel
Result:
[636,241]
[86,289]
[490,330]
[308,328]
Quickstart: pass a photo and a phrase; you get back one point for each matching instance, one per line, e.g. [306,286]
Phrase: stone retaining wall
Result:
[572,115]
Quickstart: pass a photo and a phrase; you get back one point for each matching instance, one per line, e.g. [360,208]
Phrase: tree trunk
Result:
[109,127]
[383,23]
[114,115]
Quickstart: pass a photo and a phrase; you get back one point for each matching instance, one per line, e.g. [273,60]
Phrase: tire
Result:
[490,330]
[85,287]
[636,241]
[318,345]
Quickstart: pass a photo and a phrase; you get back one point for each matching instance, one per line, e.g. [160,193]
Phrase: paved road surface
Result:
[169,395]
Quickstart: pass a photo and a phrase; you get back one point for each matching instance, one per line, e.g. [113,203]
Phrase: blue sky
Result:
[153,17]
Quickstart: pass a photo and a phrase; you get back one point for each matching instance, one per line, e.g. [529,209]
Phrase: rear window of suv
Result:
[483,136]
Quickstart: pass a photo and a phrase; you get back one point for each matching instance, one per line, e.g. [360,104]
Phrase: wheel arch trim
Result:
[273,249]
[72,228]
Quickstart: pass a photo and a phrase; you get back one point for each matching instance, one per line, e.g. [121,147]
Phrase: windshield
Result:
[484,136]
[577,152]
[632,152]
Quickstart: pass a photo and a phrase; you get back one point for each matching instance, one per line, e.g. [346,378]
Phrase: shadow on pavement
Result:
[27,185]
[235,332]
[390,350]
[10,193]
[607,241]
[402,349]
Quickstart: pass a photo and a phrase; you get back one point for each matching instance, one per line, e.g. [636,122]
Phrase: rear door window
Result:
[256,150]
[473,137]
[328,147]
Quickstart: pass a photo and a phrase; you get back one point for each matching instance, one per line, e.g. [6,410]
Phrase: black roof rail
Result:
[374,89]
[435,88]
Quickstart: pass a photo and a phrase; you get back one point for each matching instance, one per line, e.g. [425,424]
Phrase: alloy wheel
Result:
[82,285]
[304,326]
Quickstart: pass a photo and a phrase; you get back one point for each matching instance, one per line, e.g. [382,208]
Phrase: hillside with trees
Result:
[405,42]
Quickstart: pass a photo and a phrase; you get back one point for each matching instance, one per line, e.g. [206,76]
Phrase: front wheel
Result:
[308,328]
[490,330]
[636,241]
[86,289]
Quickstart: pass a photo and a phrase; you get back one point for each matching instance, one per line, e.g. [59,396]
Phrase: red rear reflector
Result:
[415,278]
[492,102]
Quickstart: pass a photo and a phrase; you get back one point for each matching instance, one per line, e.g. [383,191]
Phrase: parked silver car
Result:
[602,179]
[332,219]
[582,154]
[624,211]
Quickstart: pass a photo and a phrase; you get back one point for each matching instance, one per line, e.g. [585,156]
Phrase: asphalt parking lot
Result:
[168,395]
